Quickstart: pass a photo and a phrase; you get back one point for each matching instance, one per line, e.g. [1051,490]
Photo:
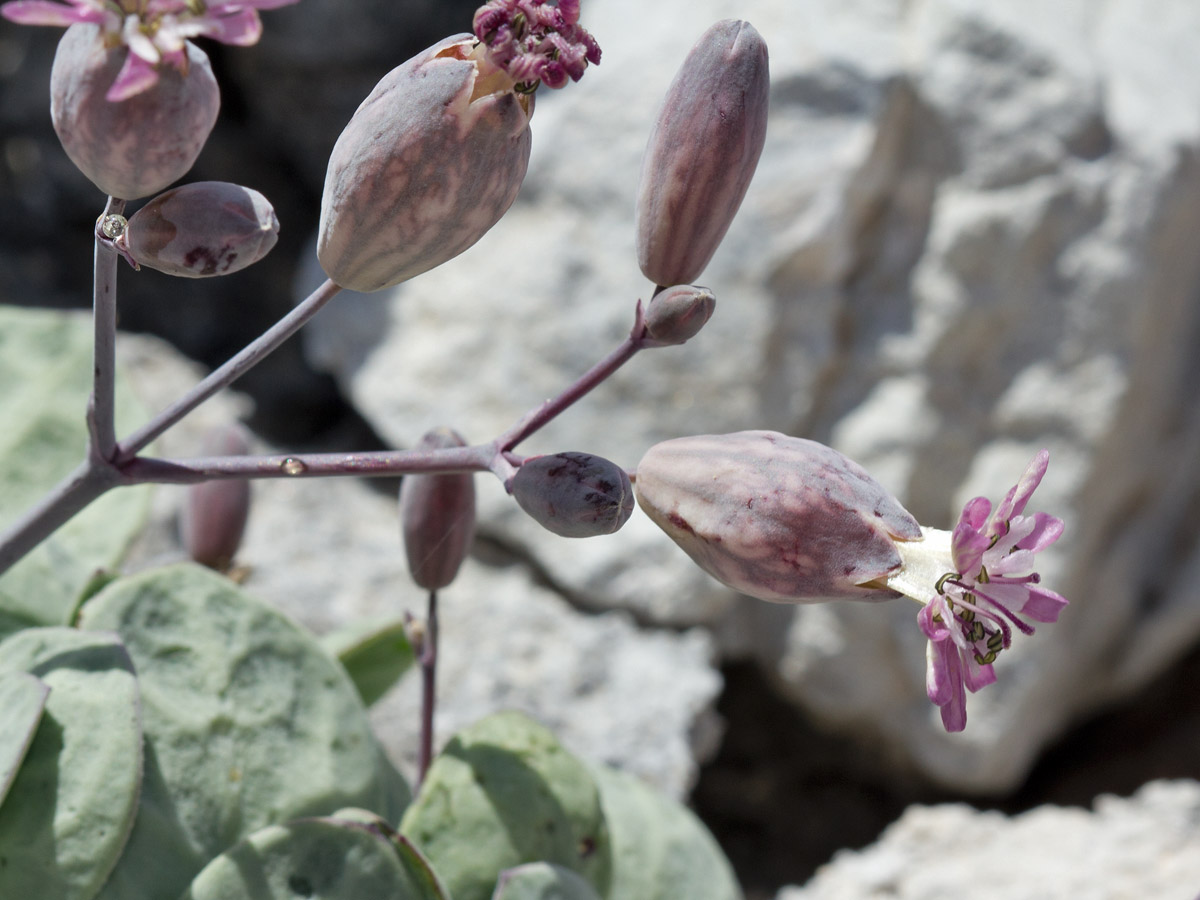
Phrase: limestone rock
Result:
[971,236]
[328,552]
[1141,846]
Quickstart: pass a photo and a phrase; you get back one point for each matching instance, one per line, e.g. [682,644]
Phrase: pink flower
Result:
[153,30]
[971,612]
[786,519]
[534,41]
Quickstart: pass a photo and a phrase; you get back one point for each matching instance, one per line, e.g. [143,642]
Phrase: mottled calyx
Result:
[427,165]
[776,517]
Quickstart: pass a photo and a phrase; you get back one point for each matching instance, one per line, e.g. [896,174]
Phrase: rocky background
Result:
[973,233]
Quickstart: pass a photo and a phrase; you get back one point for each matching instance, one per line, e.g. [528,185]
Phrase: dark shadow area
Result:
[782,796]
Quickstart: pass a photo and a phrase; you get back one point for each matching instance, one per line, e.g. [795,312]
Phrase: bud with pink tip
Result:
[574,494]
[201,229]
[776,517]
[430,161]
[437,517]
[702,152]
[676,315]
[138,146]
[215,512]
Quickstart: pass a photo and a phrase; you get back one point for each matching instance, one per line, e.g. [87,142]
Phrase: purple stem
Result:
[478,458]
[101,406]
[97,475]
[545,413]
[252,355]
[68,497]
[429,648]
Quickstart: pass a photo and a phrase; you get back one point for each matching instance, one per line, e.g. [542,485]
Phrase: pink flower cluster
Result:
[153,30]
[534,41]
[970,619]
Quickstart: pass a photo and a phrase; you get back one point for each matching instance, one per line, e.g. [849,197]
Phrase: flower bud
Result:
[702,152]
[430,161]
[776,517]
[574,494]
[437,517]
[134,147]
[201,229]
[677,314]
[215,512]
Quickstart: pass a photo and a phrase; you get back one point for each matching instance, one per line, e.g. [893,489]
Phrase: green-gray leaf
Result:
[505,792]
[22,699]
[661,851]
[46,377]
[350,856]
[542,881]
[375,654]
[248,723]
[70,808]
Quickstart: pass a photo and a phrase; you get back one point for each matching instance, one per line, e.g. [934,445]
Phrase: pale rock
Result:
[1147,845]
[972,235]
[328,553]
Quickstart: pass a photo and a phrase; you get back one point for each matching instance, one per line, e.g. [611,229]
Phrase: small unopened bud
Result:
[676,315]
[574,494]
[202,229]
[135,147]
[437,517]
[702,152]
[776,517]
[430,161]
[215,512]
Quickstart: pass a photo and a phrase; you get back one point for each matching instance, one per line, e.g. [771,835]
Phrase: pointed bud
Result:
[702,152]
[677,314]
[437,517]
[135,147]
[776,517]
[215,512]
[430,161]
[202,229]
[574,494]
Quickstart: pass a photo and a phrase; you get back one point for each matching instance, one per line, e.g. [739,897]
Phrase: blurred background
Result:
[973,234]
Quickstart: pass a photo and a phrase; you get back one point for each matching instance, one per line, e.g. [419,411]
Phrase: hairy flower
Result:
[428,163]
[976,584]
[155,31]
[789,520]
[535,41]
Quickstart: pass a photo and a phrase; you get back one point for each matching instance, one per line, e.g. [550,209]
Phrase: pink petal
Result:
[1043,605]
[135,76]
[1046,530]
[219,8]
[138,42]
[978,675]
[975,513]
[241,29]
[43,12]
[954,711]
[1014,502]
[1017,562]
[939,674]
[935,631]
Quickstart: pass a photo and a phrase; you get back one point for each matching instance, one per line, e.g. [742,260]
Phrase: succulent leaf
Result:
[349,856]
[661,851]
[505,792]
[542,881]
[72,804]
[22,699]
[248,723]
[46,373]
[374,654]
